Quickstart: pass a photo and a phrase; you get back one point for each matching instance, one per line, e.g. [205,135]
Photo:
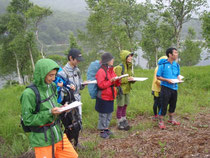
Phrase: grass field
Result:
[193,97]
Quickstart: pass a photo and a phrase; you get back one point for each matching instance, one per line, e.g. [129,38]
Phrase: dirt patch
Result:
[189,140]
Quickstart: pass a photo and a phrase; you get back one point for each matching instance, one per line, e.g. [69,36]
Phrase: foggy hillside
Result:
[75,6]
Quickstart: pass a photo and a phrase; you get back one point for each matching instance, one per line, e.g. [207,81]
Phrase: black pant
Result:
[156,105]
[168,96]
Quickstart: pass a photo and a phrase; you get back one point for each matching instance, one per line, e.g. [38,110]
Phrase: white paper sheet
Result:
[70,106]
[181,77]
[176,81]
[119,77]
[90,82]
[139,78]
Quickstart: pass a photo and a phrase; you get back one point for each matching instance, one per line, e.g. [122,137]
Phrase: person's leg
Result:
[120,103]
[65,149]
[172,108]
[155,106]
[158,103]
[41,152]
[164,100]
[108,120]
[102,125]
[126,103]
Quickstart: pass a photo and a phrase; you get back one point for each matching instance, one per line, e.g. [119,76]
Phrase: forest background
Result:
[30,30]
[51,28]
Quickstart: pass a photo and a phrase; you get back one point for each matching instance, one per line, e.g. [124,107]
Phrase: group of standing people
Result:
[51,142]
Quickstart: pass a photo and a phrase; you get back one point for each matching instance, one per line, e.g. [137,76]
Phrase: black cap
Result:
[75,53]
[106,57]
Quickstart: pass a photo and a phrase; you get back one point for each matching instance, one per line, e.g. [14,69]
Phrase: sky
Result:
[193,15]
[153,1]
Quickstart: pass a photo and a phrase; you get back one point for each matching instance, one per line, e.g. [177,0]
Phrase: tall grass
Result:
[193,96]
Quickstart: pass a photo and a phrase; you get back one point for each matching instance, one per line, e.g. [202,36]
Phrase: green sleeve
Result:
[28,105]
[118,72]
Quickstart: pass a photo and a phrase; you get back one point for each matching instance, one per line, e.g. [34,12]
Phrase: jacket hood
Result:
[42,68]
[123,56]
[163,59]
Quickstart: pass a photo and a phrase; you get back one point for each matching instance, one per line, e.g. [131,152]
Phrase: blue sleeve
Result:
[160,70]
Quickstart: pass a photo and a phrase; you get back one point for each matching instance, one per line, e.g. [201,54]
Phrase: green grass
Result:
[193,96]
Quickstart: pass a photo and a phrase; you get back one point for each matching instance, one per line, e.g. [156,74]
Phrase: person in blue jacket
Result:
[62,82]
[169,69]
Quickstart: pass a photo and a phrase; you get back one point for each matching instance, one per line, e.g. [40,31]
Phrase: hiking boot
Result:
[109,132]
[126,125]
[174,122]
[161,125]
[121,126]
[155,118]
[104,135]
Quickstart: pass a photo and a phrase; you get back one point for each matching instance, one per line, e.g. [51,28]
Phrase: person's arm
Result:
[164,79]
[28,105]
[159,75]
[118,72]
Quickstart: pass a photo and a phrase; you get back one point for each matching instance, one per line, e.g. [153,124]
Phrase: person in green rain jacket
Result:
[123,99]
[44,143]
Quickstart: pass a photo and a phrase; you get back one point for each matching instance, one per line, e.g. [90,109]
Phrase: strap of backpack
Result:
[112,86]
[105,72]
[38,98]
[123,68]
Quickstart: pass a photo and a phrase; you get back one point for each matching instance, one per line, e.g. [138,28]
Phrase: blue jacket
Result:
[169,71]
[74,76]
[65,81]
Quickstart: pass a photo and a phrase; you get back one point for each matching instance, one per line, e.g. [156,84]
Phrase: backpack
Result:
[91,73]
[37,109]
[71,120]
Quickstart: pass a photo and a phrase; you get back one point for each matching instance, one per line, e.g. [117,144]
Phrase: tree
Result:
[190,55]
[206,27]
[34,15]
[178,12]
[17,29]
[156,37]
[74,44]
[112,25]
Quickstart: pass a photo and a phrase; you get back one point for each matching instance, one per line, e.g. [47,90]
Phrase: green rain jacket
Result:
[44,116]
[125,85]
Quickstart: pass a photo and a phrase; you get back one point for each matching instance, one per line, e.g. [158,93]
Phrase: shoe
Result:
[121,126]
[126,125]
[161,125]
[104,135]
[109,132]
[155,118]
[174,122]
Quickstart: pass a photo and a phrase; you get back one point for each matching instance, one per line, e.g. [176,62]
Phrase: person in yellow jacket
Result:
[123,97]
[156,90]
